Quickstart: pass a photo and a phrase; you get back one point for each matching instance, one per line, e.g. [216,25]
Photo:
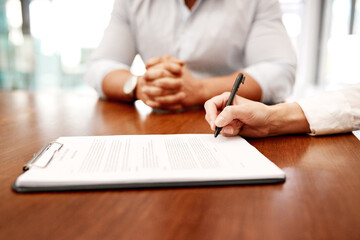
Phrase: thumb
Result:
[224,118]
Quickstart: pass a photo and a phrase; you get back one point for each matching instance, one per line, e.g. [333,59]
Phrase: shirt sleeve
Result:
[269,53]
[116,50]
[333,112]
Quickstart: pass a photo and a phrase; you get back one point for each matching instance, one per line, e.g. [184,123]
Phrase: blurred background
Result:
[46,44]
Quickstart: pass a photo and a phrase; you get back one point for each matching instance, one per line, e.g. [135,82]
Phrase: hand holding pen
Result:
[239,79]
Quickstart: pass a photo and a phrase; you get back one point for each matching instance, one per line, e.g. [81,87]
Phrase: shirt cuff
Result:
[327,113]
[98,69]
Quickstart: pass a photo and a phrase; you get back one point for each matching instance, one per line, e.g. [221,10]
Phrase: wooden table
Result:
[319,200]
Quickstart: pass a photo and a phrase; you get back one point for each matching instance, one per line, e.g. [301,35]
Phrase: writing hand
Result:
[254,119]
[245,117]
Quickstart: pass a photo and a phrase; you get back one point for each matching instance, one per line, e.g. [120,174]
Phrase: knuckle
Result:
[238,124]
[227,110]
[207,117]
[166,65]
[231,110]
[172,65]
[179,83]
[152,91]
[162,73]
[206,104]
[161,84]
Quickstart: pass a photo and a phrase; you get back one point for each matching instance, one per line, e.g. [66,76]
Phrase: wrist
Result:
[202,91]
[129,87]
[113,84]
[287,118]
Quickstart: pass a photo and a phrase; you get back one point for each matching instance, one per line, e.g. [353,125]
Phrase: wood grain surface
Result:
[319,200]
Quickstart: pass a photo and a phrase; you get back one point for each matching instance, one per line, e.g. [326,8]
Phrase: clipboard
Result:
[144,161]
[47,149]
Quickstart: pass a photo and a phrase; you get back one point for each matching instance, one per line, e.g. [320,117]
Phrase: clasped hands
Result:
[168,84]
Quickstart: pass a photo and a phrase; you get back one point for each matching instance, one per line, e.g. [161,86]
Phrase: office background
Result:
[46,44]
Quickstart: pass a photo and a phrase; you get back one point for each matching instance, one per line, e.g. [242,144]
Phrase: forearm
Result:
[217,85]
[113,85]
[287,118]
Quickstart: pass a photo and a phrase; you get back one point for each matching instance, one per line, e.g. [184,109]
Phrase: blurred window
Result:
[63,34]
[342,45]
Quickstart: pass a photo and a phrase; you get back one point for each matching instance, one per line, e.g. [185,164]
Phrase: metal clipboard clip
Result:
[42,158]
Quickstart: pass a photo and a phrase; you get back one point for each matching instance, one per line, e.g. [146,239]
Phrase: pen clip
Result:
[243,80]
[48,151]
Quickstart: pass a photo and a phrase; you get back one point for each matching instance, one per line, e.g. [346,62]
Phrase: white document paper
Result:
[139,160]
[357,134]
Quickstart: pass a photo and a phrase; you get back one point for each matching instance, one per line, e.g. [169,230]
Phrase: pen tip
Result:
[217,131]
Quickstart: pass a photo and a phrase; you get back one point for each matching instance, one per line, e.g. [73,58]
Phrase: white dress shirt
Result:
[214,38]
[333,112]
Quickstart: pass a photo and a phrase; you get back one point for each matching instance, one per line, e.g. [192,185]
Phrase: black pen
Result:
[239,79]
